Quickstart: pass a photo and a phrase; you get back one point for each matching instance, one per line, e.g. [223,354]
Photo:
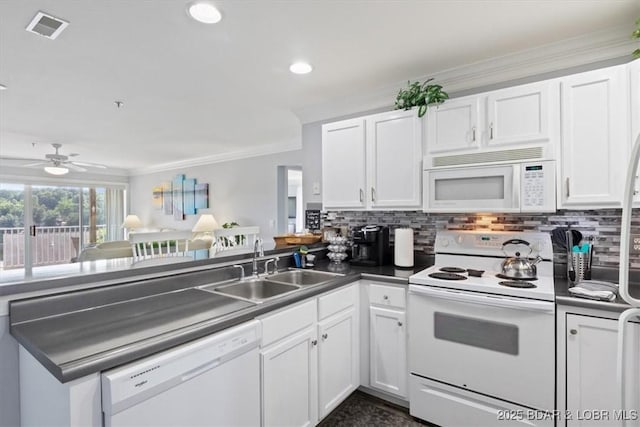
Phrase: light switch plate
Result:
[316,188]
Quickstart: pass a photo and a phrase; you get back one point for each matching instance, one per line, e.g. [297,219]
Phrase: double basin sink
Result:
[260,289]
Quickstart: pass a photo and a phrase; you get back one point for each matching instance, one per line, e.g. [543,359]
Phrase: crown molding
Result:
[575,52]
[261,150]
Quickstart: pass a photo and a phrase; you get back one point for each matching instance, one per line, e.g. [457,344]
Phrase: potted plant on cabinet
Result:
[420,95]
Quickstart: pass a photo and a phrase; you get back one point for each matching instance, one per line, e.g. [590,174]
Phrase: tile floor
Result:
[363,410]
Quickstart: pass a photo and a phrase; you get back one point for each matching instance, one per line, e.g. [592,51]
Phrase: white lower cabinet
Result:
[337,360]
[289,379]
[387,354]
[310,358]
[388,339]
[588,390]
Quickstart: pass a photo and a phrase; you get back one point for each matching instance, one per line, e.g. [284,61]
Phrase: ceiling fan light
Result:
[204,12]
[56,170]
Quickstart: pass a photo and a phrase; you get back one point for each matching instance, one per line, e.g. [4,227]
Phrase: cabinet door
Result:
[388,355]
[591,369]
[394,148]
[520,115]
[453,126]
[337,360]
[343,164]
[634,81]
[594,122]
[289,381]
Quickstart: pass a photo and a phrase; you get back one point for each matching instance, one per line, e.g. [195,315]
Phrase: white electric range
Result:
[482,347]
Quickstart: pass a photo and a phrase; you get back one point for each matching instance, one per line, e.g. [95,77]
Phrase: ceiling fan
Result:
[58,164]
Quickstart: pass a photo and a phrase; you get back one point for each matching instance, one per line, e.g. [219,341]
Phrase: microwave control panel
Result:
[538,186]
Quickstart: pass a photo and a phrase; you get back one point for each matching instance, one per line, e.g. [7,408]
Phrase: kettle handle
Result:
[515,242]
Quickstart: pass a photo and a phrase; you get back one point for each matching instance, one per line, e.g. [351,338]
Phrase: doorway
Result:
[290,212]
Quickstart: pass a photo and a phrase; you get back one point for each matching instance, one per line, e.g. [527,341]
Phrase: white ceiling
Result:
[193,90]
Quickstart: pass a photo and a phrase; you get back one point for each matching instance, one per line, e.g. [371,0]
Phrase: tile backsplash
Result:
[602,224]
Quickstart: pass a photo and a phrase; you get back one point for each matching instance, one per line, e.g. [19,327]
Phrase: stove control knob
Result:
[460,239]
[444,242]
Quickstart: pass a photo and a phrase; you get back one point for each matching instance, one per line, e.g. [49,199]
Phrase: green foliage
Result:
[239,240]
[636,35]
[53,206]
[420,95]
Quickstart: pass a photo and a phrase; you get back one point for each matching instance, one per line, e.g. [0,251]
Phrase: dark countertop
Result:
[83,332]
[563,297]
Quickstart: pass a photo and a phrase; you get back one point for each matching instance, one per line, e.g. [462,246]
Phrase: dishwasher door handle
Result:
[199,370]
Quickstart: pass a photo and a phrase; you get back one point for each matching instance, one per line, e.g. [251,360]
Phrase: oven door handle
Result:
[484,299]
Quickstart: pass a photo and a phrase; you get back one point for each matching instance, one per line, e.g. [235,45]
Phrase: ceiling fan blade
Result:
[29,165]
[91,165]
[72,166]
[21,159]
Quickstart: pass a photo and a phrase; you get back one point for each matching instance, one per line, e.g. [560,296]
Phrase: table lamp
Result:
[204,228]
[131,222]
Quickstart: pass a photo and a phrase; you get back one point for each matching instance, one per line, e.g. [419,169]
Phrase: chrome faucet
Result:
[258,250]
[275,265]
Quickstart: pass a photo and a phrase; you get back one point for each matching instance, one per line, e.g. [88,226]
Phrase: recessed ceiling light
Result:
[204,12]
[300,68]
[3,87]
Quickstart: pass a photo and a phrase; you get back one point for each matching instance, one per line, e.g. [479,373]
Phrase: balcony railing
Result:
[51,245]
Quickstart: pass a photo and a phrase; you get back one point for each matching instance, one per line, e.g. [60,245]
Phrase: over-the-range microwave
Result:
[516,187]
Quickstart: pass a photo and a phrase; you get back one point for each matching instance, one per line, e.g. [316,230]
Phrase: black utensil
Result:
[559,237]
[576,238]
[587,272]
[570,267]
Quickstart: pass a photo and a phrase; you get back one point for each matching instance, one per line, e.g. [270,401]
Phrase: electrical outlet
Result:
[634,244]
[272,223]
[316,188]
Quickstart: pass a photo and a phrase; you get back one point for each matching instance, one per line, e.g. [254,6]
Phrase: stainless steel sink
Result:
[302,277]
[257,290]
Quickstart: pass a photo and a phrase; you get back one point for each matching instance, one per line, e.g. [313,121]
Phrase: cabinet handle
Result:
[373,194]
[325,336]
[385,297]
[361,195]
[491,131]
[399,323]
[568,191]
[314,343]
[635,189]
[473,134]
[573,331]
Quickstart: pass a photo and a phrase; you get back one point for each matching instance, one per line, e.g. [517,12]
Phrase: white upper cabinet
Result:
[453,125]
[595,138]
[343,164]
[373,162]
[395,160]
[513,124]
[521,114]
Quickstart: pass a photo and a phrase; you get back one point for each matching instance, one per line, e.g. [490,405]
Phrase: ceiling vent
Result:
[46,25]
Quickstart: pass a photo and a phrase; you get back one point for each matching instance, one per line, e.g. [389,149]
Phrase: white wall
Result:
[243,191]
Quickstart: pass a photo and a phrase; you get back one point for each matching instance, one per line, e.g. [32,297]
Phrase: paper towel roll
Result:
[403,250]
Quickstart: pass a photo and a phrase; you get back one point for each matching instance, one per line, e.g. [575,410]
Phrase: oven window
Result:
[502,337]
[472,188]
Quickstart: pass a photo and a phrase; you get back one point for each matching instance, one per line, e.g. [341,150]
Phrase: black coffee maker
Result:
[371,246]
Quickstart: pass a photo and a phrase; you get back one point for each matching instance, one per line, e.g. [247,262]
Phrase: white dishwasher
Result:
[214,381]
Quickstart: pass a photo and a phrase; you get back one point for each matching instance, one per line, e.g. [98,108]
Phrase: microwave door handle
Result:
[516,186]
[491,300]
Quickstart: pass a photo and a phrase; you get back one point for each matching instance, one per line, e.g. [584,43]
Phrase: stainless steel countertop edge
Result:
[71,370]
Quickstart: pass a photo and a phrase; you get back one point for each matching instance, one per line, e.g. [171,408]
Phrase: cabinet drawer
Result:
[286,322]
[387,296]
[337,301]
